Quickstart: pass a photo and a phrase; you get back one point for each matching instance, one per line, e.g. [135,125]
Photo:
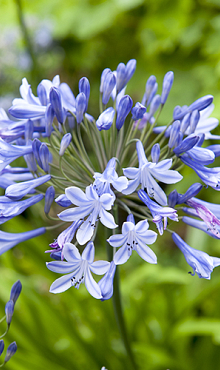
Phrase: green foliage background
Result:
[173,318]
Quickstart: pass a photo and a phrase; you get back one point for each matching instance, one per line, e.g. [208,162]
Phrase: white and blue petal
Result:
[71,253]
[91,285]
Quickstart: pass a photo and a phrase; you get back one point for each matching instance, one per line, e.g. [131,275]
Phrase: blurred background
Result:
[173,318]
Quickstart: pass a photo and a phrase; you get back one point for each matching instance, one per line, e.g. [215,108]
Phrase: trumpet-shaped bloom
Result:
[9,240]
[109,177]
[144,176]
[133,237]
[201,262]
[159,213]
[78,270]
[88,204]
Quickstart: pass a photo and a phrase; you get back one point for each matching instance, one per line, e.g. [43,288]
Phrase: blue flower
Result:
[78,270]
[88,204]
[145,174]
[201,262]
[109,177]
[133,237]
[159,213]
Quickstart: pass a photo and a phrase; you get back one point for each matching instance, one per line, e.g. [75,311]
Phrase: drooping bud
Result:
[2,346]
[49,197]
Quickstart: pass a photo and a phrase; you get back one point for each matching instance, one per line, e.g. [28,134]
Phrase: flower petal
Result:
[61,267]
[92,286]
[71,253]
[62,284]
[107,219]
[100,267]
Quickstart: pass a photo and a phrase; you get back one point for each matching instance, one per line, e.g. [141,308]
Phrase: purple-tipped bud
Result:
[49,116]
[63,201]
[2,346]
[55,100]
[154,105]
[138,111]
[167,84]
[194,119]
[49,197]
[42,94]
[9,310]
[29,129]
[84,87]
[15,291]
[173,198]
[103,75]
[175,128]
[152,94]
[80,107]
[106,283]
[105,120]
[191,192]
[12,348]
[124,108]
[185,123]
[201,103]
[188,143]
[65,142]
[108,85]
[155,153]
[44,157]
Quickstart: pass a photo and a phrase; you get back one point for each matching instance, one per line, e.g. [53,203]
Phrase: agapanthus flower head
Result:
[201,262]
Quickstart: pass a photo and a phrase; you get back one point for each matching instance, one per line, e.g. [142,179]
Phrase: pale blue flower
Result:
[133,237]
[159,213]
[18,191]
[201,262]
[144,176]
[109,177]
[88,204]
[78,270]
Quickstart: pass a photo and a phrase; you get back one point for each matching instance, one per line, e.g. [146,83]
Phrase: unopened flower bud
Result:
[9,310]
[65,142]
[124,108]
[154,105]
[138,111]
[155,153]
[84,87]
[55,99]
[2,345]
[12,348]
[15,291]
[80,106]
[167,84]
[49,197]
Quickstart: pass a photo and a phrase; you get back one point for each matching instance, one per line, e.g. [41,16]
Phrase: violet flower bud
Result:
[105,120]
[65,142]
[9,310]
[49,197]
[55,100]
[15,291]
[124,108]
[138,111]
[12,348]
[167,84]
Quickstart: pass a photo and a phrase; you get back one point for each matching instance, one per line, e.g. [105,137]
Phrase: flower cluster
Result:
[9,311]
[100,169]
